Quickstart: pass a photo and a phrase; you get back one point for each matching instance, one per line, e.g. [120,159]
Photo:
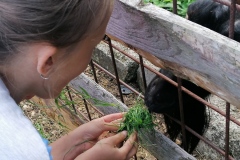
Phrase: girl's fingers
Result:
[112,117]
[112,121]
[130,146]
[133,151]
[118,138]
[98,126]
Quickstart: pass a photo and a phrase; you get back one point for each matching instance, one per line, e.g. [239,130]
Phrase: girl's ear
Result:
[45,60]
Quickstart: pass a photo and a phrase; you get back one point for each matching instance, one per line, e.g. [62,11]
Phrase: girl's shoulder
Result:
[19,139]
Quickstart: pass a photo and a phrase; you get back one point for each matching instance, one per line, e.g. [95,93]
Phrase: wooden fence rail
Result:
[191,51]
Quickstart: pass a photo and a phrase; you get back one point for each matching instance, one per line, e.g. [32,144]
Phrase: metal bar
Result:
[86,106]
[202,138]
[78,113]
[97,110]
[198,98]
[232,19]
[143,72]
[183,88]
[94,71]
[231,35]
[79,96]
[113,76]
[182,113]
[175,6]
[179,81]
[135,157]
[123,52]
[227,3]
[227,131]
[115,67]
[70,96]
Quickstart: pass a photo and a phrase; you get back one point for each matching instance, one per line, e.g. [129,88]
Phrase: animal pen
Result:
[191,51]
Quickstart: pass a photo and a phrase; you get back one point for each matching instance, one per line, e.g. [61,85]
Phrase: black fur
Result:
[162,97]
[214,16]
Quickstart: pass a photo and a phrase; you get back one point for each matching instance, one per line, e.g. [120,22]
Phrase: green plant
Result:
[62,100]
[94,101]
[182,5]
[41,130]
[137,119]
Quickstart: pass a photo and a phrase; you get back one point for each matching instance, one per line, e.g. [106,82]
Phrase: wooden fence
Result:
[191,51]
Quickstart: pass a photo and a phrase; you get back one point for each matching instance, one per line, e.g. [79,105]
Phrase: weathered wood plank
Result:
[60,115]
[208,59]
[159,146]
[97,92]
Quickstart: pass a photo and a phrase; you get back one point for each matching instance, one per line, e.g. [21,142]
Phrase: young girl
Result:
[43,45]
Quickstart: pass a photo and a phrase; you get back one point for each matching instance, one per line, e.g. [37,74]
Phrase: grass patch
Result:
[182,5]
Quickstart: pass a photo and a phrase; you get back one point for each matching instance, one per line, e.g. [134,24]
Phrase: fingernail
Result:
[124,133]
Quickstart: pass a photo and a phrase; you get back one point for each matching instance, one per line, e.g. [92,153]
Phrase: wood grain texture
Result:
[62,115]
[208,59]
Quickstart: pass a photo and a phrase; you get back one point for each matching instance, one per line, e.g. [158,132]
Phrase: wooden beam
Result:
[61,115]
[208,59]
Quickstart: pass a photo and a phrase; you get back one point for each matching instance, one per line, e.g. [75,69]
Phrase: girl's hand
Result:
[84,137]
[90,132]
[106,149]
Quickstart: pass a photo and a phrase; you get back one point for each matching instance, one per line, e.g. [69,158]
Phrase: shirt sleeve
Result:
[49,148]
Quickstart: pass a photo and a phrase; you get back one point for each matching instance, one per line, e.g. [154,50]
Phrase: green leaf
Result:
[168,5]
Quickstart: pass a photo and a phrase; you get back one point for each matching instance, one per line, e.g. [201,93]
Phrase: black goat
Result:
[162,97]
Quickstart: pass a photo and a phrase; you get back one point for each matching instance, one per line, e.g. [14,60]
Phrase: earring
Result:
[45,78]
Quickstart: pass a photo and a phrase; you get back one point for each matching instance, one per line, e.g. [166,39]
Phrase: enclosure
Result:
[165,40]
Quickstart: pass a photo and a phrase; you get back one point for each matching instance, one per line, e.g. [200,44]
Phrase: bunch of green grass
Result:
[182,5]
[137,119]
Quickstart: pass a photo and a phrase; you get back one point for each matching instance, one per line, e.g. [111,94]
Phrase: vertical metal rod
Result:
[206,141]
[94,71]
[182,112]
[175,6]
[86,106]
[180,94]
[115,67]
[231,35]
[227,131]
[143,72]
[116,72]
[135,157]
[70,96]
[232,18]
